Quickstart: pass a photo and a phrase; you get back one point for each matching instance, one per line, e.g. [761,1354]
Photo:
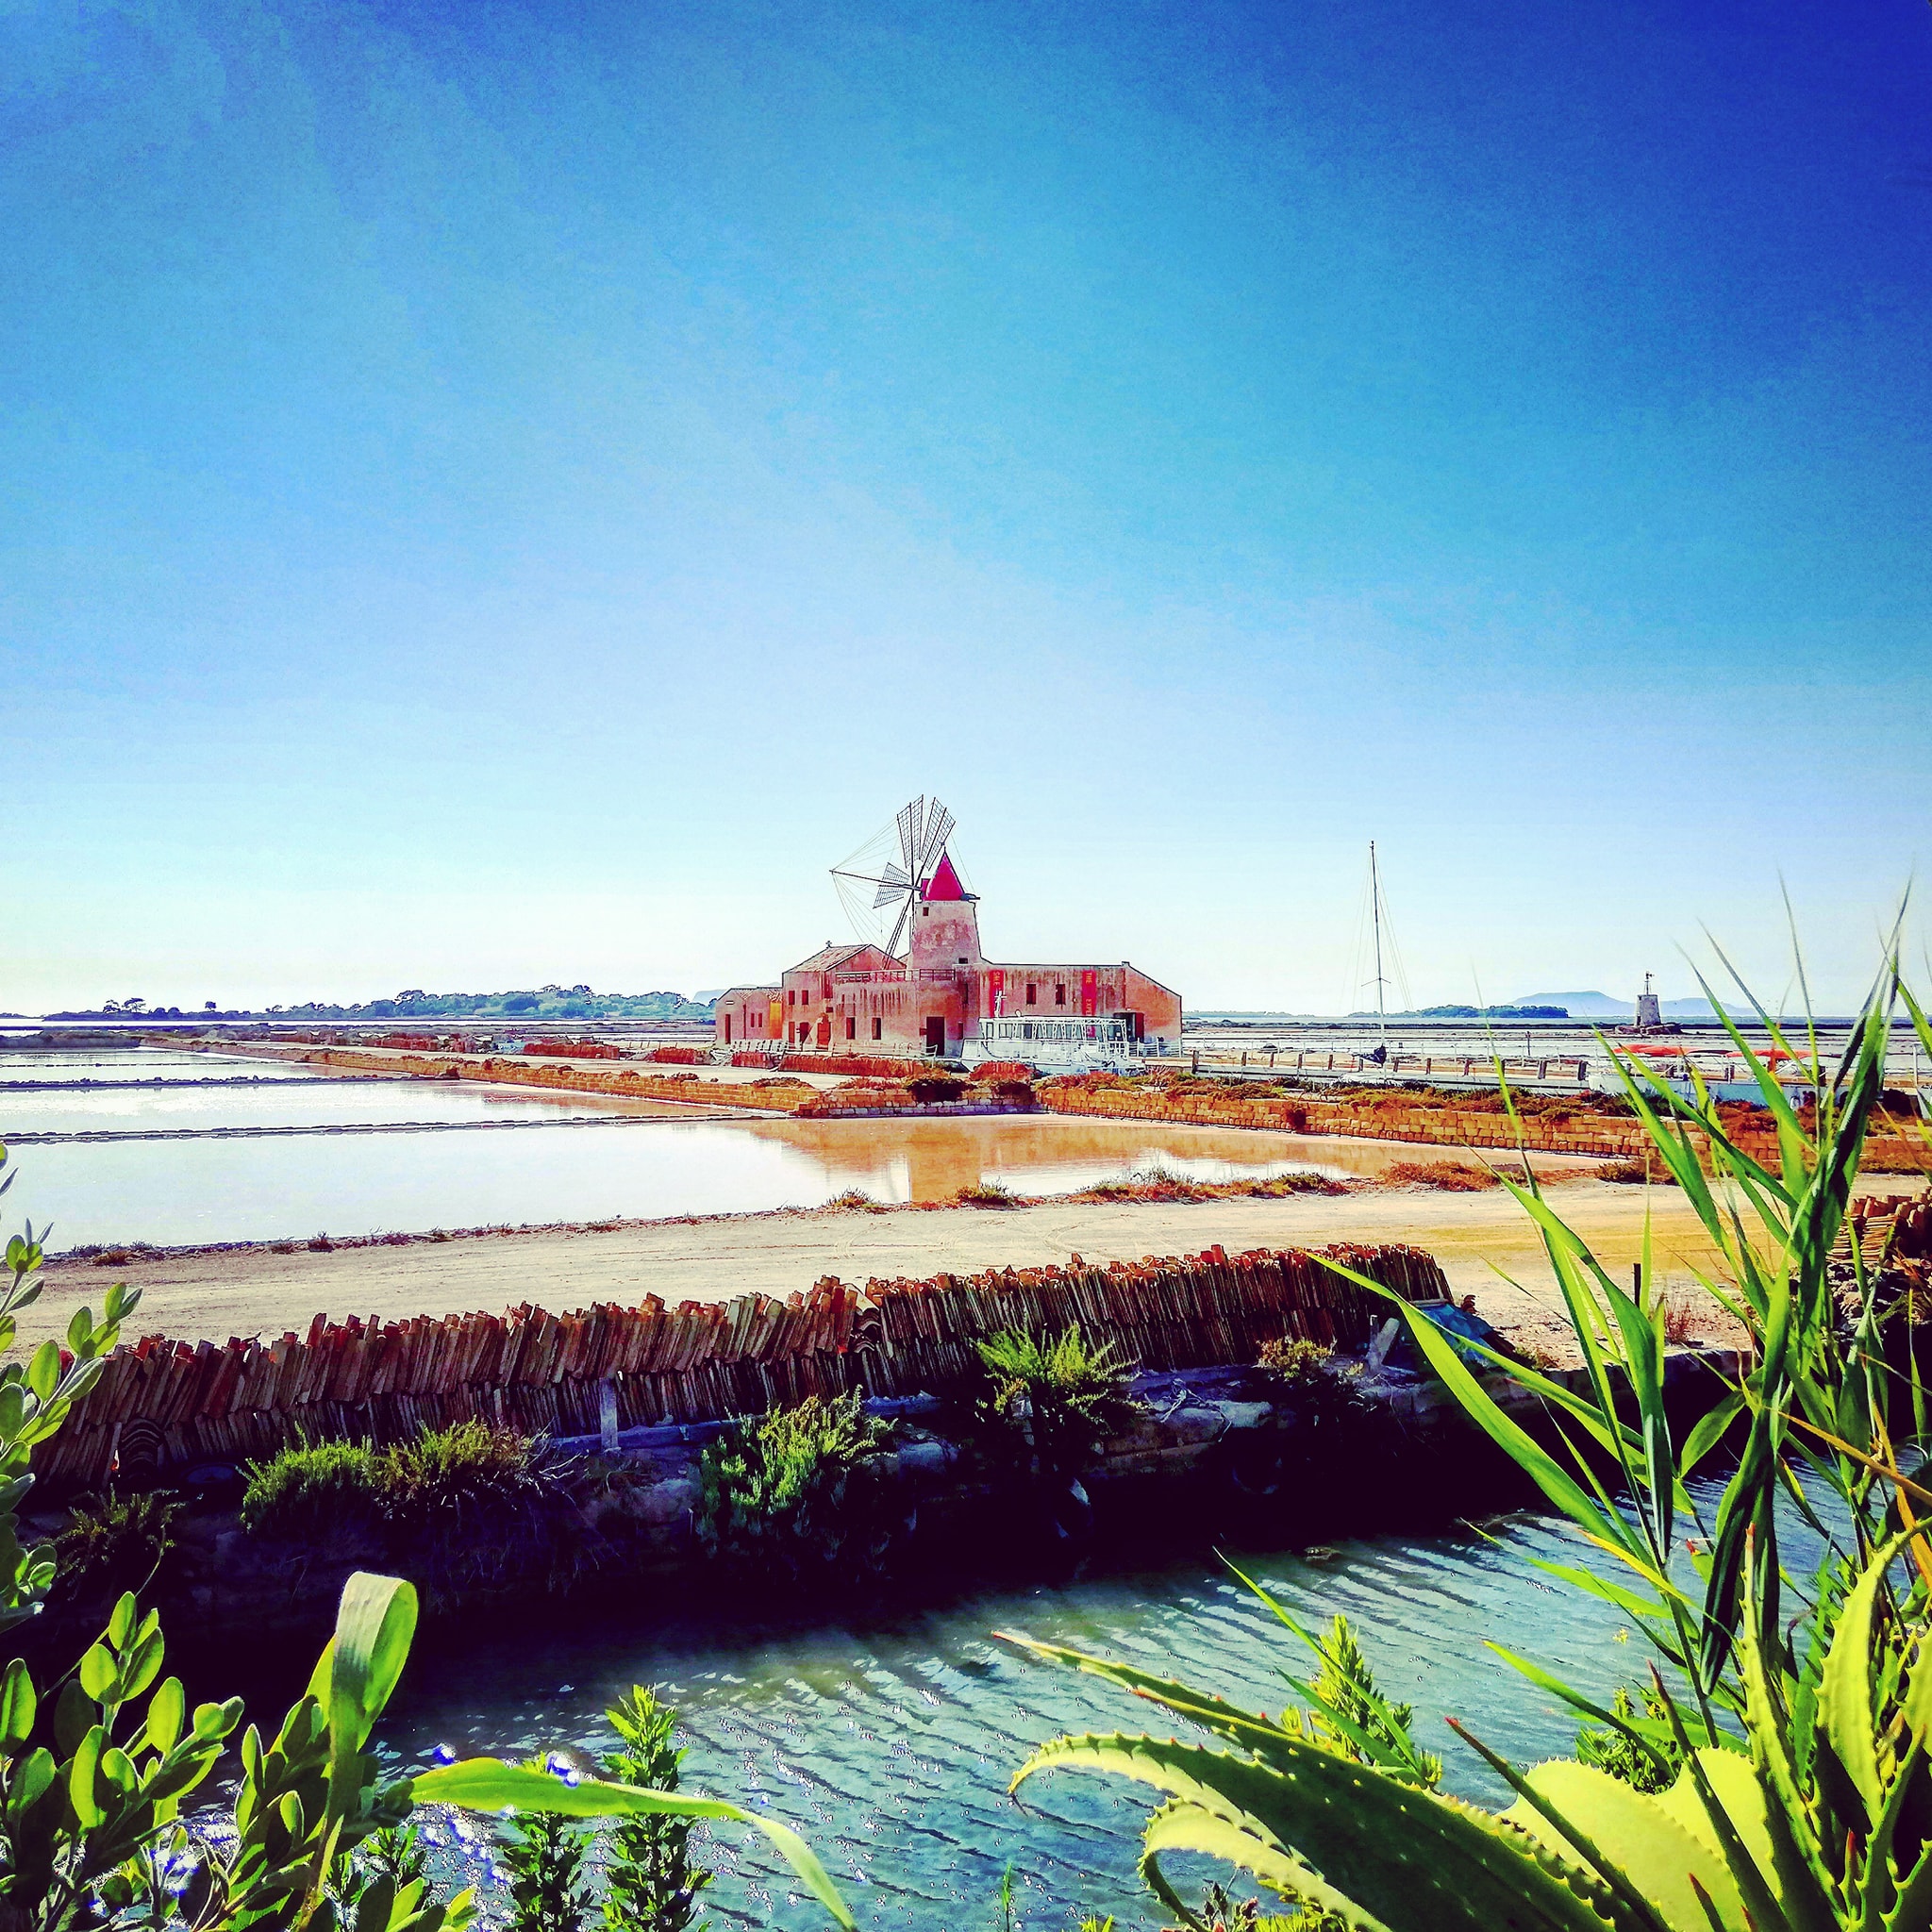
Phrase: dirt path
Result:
[215,1295]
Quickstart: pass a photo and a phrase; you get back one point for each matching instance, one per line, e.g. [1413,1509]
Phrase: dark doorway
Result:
[936,1034]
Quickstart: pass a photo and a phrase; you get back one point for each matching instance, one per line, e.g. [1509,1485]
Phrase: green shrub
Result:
[987,1195]
[393,1856]
[1223,1910]
[459,1508]
[1350,1716]
[467,1475]
[115,1542]
[312,1489]
[799,1492]
[1053,1402]
[1293,1358]
[930,1090]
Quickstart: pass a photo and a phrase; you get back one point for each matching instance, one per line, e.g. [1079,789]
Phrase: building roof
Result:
[944,883]
[828,957]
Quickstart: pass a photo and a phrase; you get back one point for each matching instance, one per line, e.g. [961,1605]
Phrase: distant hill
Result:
[1603,1006]
[1582,1006]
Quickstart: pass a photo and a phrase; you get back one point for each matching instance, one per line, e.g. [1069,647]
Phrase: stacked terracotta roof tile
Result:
[701,1361]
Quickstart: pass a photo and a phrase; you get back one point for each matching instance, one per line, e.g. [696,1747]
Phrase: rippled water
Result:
[889,1740]
[377,1156]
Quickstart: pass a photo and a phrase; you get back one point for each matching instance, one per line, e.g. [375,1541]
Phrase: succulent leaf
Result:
[1411,1860]
[1638,1833]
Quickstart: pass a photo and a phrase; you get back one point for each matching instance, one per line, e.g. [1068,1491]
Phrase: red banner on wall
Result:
[1089,993]
[996,991]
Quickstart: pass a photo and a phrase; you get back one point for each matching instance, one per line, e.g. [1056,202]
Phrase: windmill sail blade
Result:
[911,824]
[939,828]
[899,926]
[891,886]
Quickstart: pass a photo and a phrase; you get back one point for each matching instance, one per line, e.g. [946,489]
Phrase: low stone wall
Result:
[165,1404]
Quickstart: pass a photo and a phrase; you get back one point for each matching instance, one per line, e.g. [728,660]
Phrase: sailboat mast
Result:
[1375,905]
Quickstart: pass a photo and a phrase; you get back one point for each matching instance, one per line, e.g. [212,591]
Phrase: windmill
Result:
[889,872]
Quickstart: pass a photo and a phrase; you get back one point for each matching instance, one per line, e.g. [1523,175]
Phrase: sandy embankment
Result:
[216,1295]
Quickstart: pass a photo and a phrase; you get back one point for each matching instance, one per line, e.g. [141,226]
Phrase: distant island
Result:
[538,1002]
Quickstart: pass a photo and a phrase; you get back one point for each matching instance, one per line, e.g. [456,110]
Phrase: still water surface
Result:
[889,1743]
[236,1163]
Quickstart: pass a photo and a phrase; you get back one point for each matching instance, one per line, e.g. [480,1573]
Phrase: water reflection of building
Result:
[946,999]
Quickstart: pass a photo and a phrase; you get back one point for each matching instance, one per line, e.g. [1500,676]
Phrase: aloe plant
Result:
[1792,1749]
[1814,1815]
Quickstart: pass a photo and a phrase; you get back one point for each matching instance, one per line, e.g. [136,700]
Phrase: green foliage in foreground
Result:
[1350,1714]
[650,1883]
[1293,1358]
[1054,1402]
[97,1763]
[545,1856]
[799,1494]
[1787,1750]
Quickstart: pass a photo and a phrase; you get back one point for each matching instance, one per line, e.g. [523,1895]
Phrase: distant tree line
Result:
[541,1003]
[1476,1013]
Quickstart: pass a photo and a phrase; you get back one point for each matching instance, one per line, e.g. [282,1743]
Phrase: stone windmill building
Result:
[944,998]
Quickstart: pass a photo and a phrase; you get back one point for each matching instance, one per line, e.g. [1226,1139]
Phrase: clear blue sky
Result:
[509,493]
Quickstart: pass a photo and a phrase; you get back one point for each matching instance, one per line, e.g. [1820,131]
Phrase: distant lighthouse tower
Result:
[1650,1013]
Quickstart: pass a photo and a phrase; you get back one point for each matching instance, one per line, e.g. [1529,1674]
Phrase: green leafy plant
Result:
[988,1194]
[1788,1752]
[115,1543]
[1650,1760]
[652,1883]
[799,1494]
[394,1854]
[1221,1910]
[1053,1402]
[1350,1714]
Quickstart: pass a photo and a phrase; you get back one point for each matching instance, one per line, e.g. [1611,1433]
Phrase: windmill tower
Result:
[1649,1011]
